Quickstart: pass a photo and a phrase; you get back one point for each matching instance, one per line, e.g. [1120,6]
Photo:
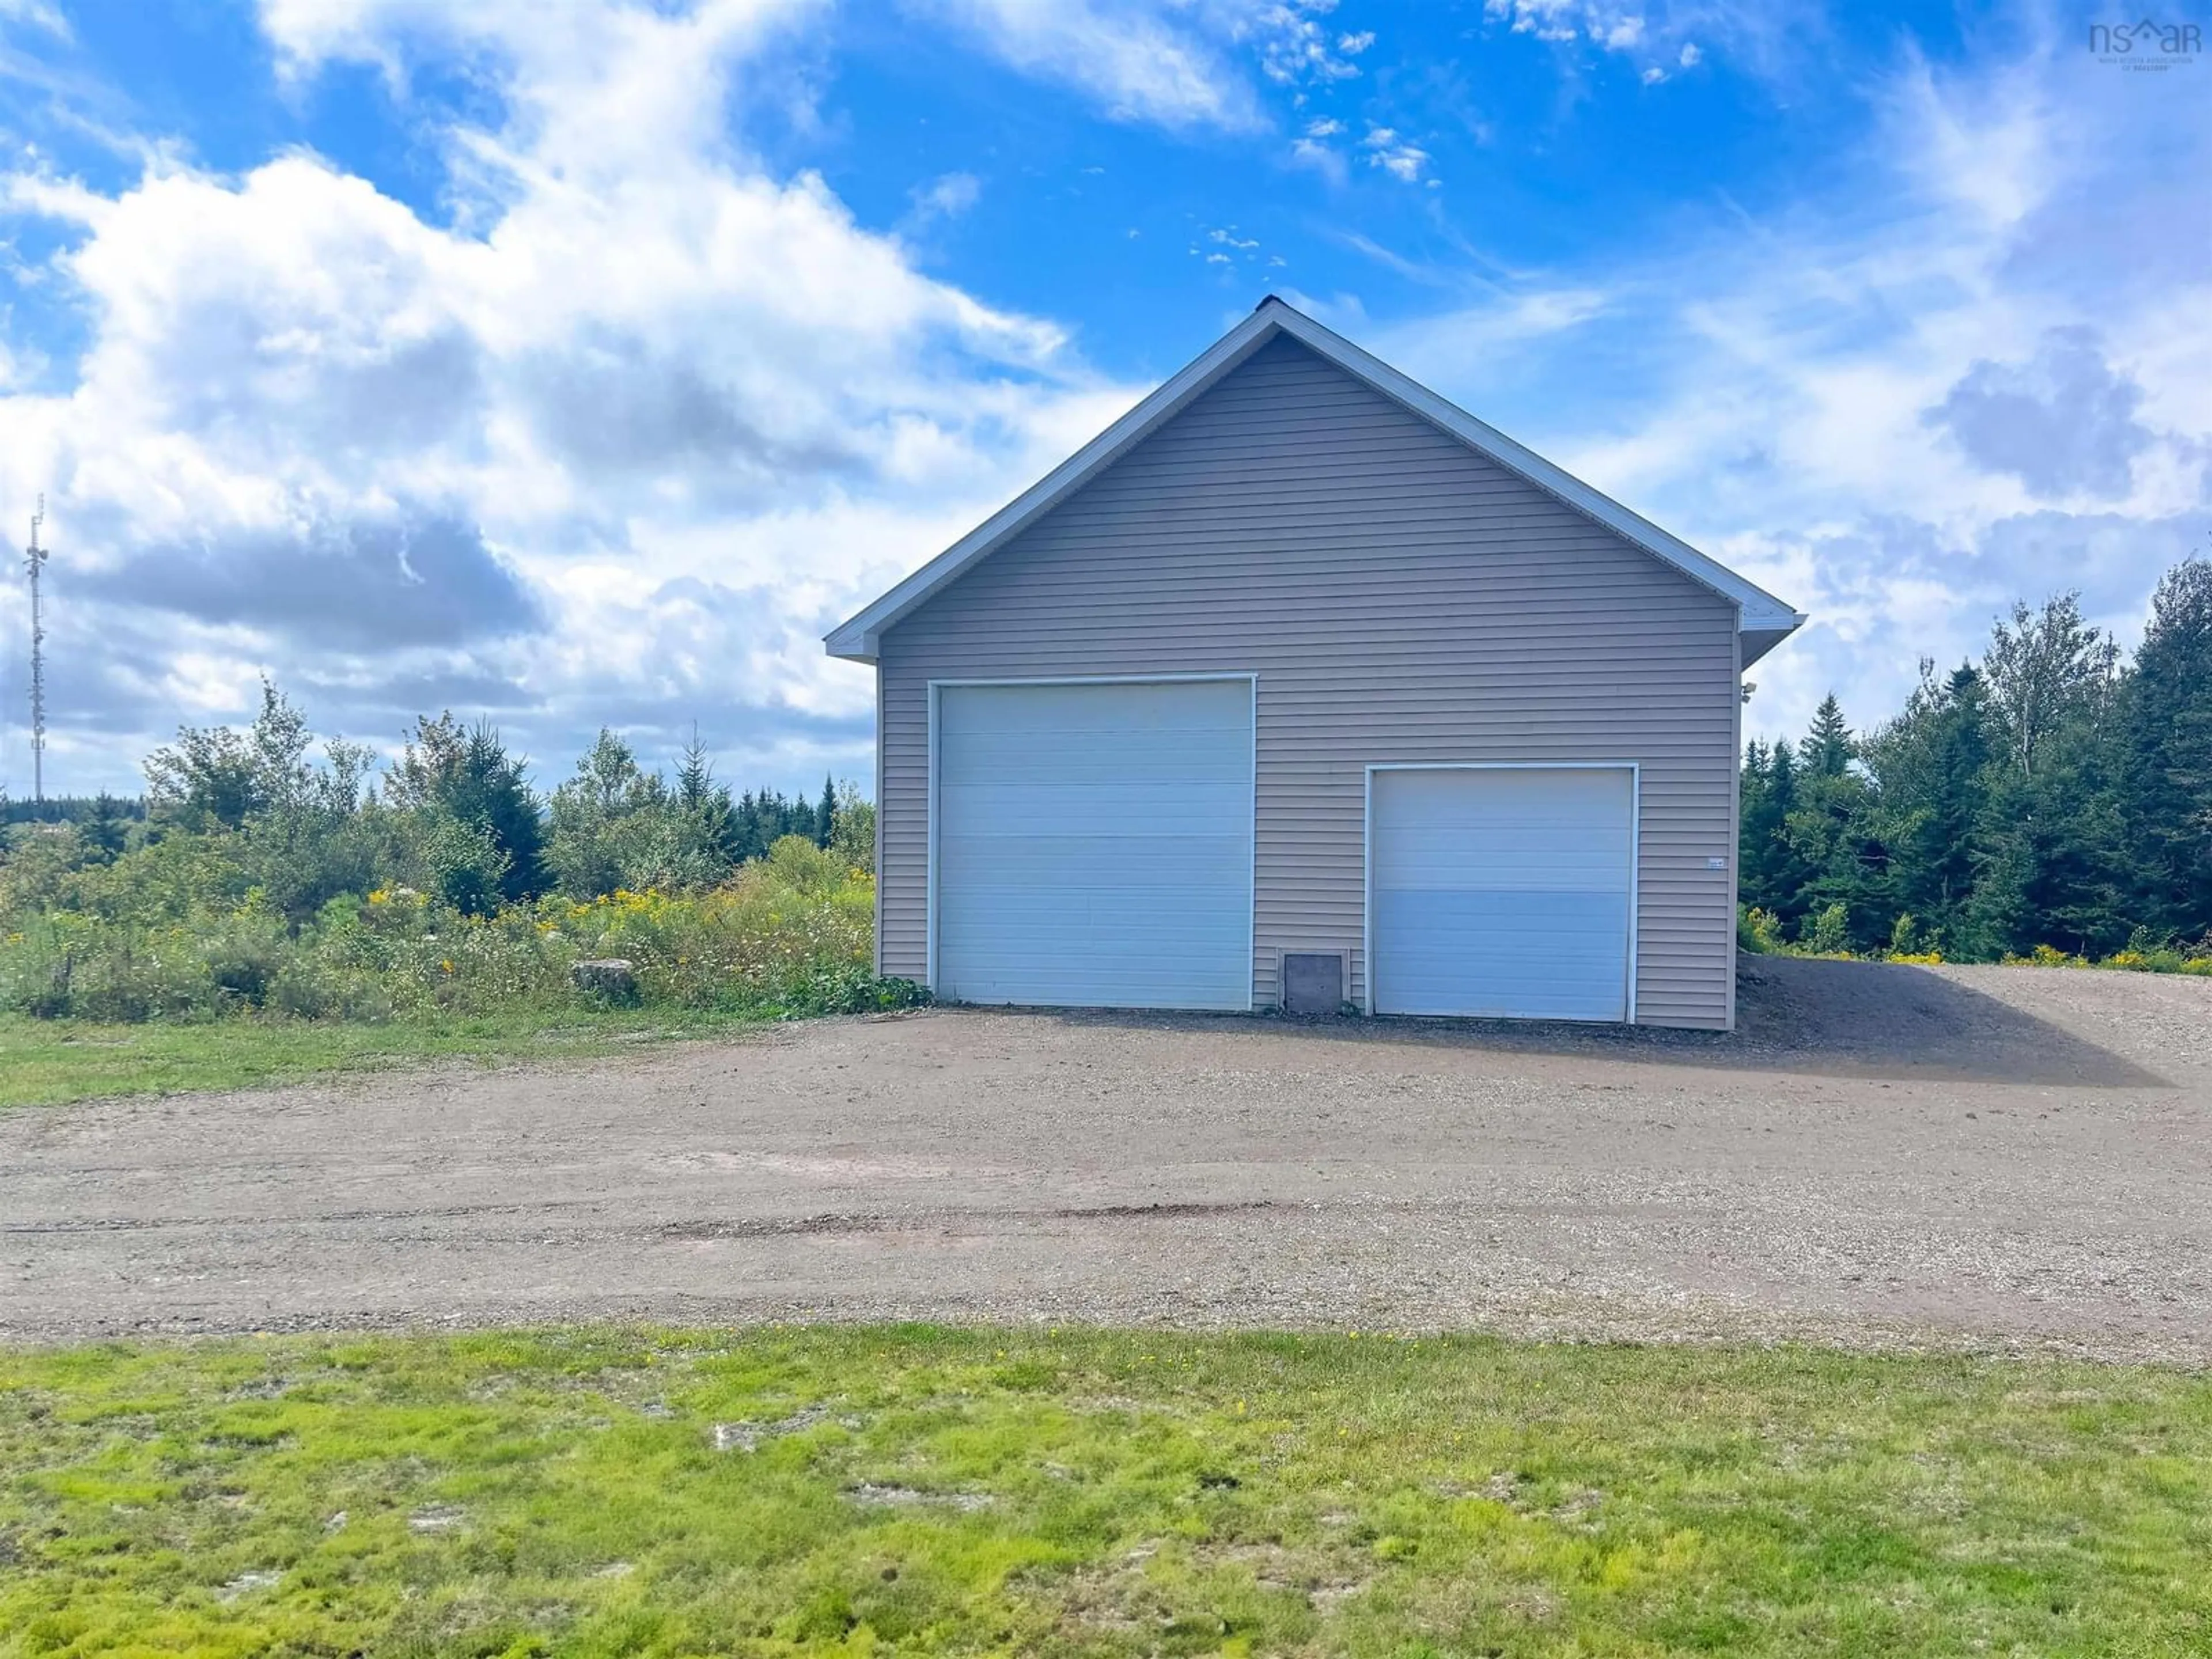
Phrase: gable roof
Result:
[1762,620]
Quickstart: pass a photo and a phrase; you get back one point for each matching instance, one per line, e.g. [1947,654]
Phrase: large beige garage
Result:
[1298,660]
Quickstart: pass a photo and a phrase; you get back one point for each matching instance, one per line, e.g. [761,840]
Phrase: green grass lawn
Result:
[936,1492]
[46,1062]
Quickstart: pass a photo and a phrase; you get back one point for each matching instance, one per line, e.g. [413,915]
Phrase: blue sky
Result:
[575,361]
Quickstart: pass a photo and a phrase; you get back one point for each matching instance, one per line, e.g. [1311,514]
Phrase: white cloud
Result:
[1386,149]
[946,196]
[1294,45]
[1178,64]
[1323,158]
[1141,63]
[1770,41]
[35,13]
[618,447]
[1463,345]
[1353,45]
[1982,370]
[1327,127]
[1547,20]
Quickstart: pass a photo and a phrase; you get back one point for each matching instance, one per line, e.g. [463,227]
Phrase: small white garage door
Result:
[1094,844]
[1502,891]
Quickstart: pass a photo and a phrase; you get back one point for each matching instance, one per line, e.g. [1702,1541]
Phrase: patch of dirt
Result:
[872,1496]
[1325,1579]
[750,1437]
[2009,1159]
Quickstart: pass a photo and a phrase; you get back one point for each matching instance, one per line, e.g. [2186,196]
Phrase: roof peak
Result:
[1762,618]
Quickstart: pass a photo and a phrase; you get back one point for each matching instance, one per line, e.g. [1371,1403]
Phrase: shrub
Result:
[1827,932]
[2046,956]
[1760,932]
[789,934]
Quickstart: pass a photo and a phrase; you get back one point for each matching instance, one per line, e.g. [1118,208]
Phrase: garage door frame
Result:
[930,906]
[1367,848]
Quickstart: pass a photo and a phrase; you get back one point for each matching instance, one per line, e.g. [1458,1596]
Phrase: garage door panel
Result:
[1127,982]
[1110,709]
[1094,844]
[989,918]
[1078,756]
[1503,892]
[983,865]
[1009,811]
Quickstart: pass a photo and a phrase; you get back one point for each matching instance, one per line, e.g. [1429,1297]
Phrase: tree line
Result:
[454,815]
[2055,791]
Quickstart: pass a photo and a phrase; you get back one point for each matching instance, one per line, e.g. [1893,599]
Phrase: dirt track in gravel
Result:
[1883,1155]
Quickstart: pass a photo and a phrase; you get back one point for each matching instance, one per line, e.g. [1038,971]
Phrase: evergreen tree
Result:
[467,774]
[1784,871]
[2073,808]
[107,831]
[1827,750]
[1837,839]
[705,802]
[1769,875]
[2167,718]
[1943,849]
[826,815]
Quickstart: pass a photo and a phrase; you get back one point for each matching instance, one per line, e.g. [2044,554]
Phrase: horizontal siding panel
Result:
[1400,598]
[1370,624]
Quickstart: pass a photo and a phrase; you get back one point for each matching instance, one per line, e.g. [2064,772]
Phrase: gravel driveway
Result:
[1883,1155]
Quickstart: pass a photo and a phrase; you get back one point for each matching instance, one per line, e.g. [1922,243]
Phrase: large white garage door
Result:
[1503,891]
[1094,844]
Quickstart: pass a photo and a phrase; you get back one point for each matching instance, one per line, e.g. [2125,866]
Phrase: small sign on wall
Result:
[1716,864]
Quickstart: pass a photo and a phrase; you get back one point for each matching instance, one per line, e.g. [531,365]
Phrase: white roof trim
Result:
[1758,611]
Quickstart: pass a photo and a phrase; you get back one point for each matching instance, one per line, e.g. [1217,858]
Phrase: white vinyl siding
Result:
[1094,844]
[1400,598]
[1502,891]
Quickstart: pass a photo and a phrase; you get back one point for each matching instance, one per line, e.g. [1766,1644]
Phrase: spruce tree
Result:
[2168,724]
[705,805]
[1766,878]
[1783,870]
[1837,838]
[467,774]
[495,795]
[825,816]
[1828,750]
[107,831]
[1945,845]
